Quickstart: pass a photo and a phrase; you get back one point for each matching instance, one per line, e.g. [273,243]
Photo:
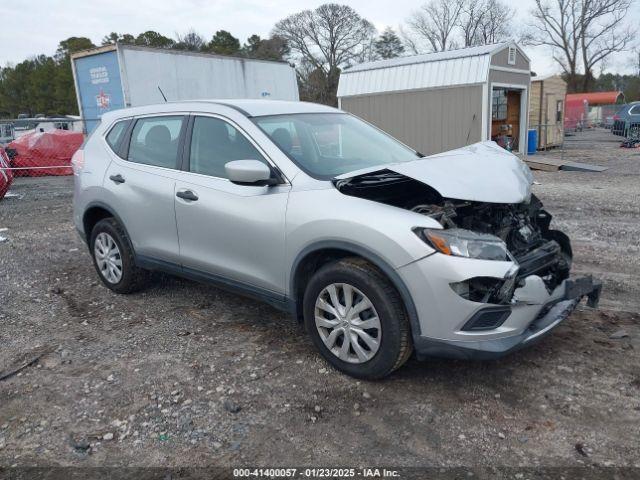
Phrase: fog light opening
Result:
[486,289]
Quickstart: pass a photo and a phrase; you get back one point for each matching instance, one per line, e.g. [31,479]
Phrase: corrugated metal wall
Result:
[457,71]
[431,121]
[188,76]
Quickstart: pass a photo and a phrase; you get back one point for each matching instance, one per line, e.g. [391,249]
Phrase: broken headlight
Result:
[465,243]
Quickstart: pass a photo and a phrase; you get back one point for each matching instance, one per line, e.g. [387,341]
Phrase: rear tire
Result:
[385,345]
[113,258]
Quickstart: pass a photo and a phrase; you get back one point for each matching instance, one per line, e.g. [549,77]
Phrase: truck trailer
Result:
[118,76]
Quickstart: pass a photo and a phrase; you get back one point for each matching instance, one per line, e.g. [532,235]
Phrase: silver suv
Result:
[377,249]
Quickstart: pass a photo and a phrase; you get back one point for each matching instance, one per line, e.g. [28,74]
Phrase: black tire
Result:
[395,346]
[133,277]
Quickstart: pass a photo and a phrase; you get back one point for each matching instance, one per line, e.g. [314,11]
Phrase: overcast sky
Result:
[36,27]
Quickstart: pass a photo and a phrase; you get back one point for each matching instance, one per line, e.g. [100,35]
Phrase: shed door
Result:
[505,117]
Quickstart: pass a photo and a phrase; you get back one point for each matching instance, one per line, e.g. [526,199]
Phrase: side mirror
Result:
[249,172]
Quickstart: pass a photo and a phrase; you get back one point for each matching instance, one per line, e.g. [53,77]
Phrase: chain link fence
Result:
[35,147]
[563,137]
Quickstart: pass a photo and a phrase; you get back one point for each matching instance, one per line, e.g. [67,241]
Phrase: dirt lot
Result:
[188,375]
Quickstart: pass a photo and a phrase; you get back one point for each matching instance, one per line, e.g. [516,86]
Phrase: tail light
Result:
[77,161]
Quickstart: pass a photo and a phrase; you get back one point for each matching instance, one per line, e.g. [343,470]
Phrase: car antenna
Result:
[162,93]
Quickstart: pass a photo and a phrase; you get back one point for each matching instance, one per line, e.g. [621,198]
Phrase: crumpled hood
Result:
[482,172]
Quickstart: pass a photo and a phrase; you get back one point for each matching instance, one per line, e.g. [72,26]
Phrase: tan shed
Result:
[546,112]
[445,100]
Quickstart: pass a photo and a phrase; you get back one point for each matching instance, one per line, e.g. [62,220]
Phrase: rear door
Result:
[229,231]
[141,181]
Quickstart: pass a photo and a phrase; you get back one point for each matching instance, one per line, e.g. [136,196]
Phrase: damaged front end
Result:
[517,232]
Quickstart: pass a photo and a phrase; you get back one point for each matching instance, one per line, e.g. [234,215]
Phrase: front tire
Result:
[357,320]
[113,257]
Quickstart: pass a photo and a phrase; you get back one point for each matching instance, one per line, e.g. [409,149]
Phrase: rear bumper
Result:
[550,316]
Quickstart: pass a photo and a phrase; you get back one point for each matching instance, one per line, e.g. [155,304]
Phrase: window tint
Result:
[154,141]
[115,134]
[214,143]
[635,110]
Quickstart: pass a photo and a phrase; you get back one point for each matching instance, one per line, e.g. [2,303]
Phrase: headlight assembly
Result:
[465,243]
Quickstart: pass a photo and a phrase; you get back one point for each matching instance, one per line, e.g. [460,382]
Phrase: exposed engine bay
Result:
[524,227]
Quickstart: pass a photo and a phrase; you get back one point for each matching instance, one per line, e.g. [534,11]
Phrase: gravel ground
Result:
[189,375]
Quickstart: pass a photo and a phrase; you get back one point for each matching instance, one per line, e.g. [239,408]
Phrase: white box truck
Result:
[118,76]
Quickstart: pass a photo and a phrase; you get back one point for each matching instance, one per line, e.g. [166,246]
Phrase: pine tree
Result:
[389,44]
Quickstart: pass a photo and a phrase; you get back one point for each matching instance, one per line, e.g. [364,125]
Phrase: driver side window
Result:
[214,143]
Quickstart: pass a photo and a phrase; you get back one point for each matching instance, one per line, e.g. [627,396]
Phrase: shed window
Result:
[499,104]
[512,56]
[559,111]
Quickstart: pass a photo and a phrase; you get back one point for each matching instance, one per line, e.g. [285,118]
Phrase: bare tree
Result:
[191,40]
[410,42]
[496,22]
[603,33]
[326,39]
[471,21]
[582,32]
[435,23]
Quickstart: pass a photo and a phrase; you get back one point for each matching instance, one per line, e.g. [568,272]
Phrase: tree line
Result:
[320,42]
[44,84]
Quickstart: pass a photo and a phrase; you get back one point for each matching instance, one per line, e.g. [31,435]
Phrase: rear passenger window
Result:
[154,141]
[214,143]
[115,134]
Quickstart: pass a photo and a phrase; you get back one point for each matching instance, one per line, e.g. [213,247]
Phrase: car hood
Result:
[482,172]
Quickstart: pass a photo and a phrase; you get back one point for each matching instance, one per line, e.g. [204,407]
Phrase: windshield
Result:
[326,145]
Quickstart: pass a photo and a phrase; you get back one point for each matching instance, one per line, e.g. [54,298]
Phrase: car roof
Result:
[249,108]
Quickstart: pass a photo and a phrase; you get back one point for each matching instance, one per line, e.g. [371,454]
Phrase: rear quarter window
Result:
[114,137]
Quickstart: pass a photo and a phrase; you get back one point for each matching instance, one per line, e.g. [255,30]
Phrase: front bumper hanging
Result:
[551,315]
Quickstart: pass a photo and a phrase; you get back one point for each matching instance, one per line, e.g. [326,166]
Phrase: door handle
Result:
[187,195]
[117,178]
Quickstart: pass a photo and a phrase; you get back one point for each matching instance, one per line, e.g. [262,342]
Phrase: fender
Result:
[371,257]
[113,213]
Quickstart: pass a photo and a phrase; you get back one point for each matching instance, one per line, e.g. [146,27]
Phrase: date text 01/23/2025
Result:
[315,473]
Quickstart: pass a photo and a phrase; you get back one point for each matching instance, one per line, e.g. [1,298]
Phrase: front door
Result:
[228,231]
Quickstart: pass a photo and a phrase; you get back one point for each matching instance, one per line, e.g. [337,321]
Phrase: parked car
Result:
[379,250]
[627,118]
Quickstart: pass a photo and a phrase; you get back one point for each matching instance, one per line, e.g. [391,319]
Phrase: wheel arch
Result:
[311,258]
[95,212]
